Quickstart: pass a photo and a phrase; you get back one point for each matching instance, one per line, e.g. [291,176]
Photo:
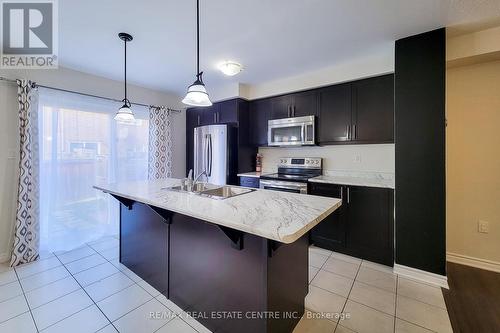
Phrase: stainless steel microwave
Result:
[298,131]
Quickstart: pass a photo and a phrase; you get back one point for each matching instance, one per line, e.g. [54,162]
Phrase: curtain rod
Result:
[90,95]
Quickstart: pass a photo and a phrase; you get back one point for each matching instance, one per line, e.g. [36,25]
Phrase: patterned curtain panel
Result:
[160,143]
[27,228]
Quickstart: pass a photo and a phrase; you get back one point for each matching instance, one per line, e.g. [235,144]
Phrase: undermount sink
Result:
[197,188]
[225,192]
[212,191]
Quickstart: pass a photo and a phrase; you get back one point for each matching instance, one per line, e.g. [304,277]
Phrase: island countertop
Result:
[279,216]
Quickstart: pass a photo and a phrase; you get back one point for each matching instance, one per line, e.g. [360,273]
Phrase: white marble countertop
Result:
[356,179]
[280,216]
[254,174]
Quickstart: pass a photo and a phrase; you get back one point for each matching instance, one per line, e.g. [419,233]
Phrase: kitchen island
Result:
[237,265]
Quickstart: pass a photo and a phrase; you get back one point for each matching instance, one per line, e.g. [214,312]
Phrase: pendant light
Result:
[197,93]
[125,114]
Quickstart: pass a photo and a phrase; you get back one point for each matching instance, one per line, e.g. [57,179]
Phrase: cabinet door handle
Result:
[198,120]
[293,112]
[289,111]
[348,195]
[218,117]
[347,130]
[215,118]
[354,134]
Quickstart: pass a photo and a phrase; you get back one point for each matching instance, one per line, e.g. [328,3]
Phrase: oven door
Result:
[279,185]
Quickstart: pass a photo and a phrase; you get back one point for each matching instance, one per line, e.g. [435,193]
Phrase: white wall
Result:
[77,81]
[374,62]
[353,158]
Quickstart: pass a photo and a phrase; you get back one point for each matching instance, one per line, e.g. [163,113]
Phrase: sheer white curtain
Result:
[81,145]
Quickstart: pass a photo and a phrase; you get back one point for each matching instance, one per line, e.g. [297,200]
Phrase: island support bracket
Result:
[124,201]
[272,246]
[235,236]
[166,215]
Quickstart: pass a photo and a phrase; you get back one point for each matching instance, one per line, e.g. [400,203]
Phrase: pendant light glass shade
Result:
[197,94]
[125,114]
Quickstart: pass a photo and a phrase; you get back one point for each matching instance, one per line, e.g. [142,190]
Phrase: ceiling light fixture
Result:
[125,114]
[197,93]
[230,68]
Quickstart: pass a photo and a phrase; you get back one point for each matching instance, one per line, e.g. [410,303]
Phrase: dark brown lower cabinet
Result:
[331,232]
[144,244]
[364,225]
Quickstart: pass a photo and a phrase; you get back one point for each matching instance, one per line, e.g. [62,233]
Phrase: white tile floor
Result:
[88,290]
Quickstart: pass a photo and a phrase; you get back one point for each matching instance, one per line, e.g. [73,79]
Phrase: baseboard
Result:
[4,257]
[488,265]
[422,276]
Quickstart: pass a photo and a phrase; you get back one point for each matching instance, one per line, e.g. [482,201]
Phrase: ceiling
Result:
[272,38]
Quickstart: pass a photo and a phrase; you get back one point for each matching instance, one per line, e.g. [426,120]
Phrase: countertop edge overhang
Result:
[279,216]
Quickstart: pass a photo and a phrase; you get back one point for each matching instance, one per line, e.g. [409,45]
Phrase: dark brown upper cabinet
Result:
[305,103]
[281,107]
[259,114]
[373,110]
[295,105]
[357,112]
[334,123]
[209,114]
[226,111]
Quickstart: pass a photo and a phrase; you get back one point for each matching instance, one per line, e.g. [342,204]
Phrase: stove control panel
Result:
[300,162]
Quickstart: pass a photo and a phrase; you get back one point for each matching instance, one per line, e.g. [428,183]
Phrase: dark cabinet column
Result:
[373,110]
[420,151]
[193,119]
[335,114]
[144,244]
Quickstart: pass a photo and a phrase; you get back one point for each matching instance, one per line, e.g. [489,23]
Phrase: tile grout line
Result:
[94,303]
[26,300]
[420,326]
[153,297]
[396,309]
[134,283]
[396,301]
[347,298]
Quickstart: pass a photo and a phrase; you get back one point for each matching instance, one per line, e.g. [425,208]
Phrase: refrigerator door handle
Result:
[210,155]
[205,159]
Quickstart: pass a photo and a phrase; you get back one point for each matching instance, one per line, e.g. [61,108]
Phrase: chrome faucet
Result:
[204,172]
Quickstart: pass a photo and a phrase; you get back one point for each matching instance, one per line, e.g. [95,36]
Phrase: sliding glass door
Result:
[81,145]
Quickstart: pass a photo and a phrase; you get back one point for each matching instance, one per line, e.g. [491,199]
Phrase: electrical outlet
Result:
[357,159]
[483,227]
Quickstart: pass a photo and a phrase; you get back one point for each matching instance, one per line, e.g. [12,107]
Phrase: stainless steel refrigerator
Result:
[212,153]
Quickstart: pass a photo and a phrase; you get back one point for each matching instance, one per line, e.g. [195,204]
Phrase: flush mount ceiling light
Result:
[125,114]
[230,68]
[197,93]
